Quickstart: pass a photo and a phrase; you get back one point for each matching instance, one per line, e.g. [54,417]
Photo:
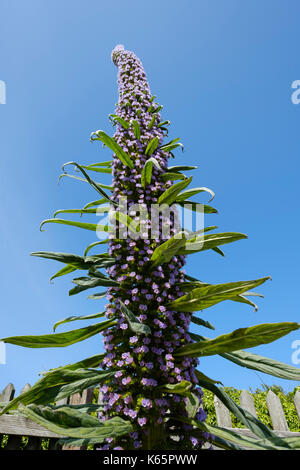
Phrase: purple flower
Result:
[146,403]
[142,421]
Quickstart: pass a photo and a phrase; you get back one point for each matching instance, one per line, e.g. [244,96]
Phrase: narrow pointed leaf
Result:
[199,321]
[126,220]
[204,297]
[192,192]
[97,296]
[85,283]
[207,242]
[181,388]
[147,171]
[99,164]
[136,128]
[115,118]
[62,272]
[134,324]
[169,196]
[152,122]
[171,145]
[165,252]
[89,362]
[250,421]
[177,168]
[218,250]
[81,425]
[242,338]
[168,176]
[152,146]
[197,207]
[263,364]
[94,185]
[98,202]
[84,225]
[58,340]
[97,210]
[92,245]
[97,169]
[75,260]
[112,144]
[164,123]
[75,318]
[58,384]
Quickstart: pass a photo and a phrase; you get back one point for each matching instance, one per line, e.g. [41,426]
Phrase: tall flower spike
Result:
[147,361]
[149,382]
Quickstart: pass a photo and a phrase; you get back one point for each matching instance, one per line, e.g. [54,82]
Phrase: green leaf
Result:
[97,169]
[58,384]
[204,377]
[107,164]
[59,340]
[199,321]
[204,297]
[97,296]
[188,286]
[197,207]
[252,423]
[171,145]
[232,436]
[84,283]
[192,192]
[76,261]
[125,219]
[147,171]
[207,242]
[165,252]
[192,404]
[169,196]
[95,203]
[84,225]
[164,123]
[97,186]
[152,122]
[177,168]
[168,176]
[181,388]
[133,322]
[65,270]
[93,361]
[72,423]
[121,121]
[263,364]
[75,318]
[152,146]
[112,144]
[98,210]
[92,245]
[136,128]
[242,338]
[218,250]
[156,110]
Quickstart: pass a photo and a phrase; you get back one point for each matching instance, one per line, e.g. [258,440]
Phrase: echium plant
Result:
[150,386]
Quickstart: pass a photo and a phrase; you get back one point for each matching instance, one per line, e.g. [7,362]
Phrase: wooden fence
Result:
[16,426]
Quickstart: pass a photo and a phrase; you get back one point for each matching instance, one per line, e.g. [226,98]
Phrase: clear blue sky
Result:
[223,72]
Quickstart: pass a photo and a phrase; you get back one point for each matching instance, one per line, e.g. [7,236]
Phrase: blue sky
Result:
[223,72]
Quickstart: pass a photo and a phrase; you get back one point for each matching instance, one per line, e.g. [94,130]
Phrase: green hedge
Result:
[259,397]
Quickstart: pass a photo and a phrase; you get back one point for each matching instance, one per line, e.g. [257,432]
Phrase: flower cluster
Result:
[144,363]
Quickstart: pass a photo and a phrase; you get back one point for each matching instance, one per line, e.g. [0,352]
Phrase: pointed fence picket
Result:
[16,427]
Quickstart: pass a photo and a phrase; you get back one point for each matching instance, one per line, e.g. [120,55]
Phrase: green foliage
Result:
[260,403]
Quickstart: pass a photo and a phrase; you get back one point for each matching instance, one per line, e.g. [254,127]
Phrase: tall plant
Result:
[151,387]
